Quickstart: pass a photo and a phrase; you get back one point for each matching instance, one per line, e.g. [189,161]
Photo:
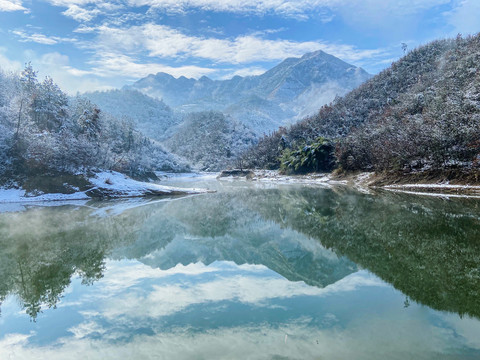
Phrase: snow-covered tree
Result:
[42,131]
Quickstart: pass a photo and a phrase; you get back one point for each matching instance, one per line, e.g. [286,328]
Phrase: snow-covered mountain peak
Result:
[282,89]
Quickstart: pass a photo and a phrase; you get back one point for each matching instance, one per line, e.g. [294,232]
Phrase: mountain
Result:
[423,112]
[284,94]
[151,116]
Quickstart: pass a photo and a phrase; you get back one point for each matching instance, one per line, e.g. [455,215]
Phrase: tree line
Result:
[44,131]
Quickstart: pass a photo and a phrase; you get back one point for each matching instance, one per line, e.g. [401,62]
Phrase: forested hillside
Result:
[42,131]
[210,140]
[421,113]
[206,140]
[149,115]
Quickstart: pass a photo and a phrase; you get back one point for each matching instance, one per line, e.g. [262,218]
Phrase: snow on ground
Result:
[19,195]
[434,186]
[442,190]
[443,195]
[186,177]
[124,186]
[111,183]
[275,176]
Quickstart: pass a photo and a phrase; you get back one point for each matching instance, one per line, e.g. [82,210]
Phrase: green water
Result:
[254,271]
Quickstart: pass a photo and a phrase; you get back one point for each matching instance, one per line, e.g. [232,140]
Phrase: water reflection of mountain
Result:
[222,228]
[426,247]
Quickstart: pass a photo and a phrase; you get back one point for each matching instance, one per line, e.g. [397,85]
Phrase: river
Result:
[253,271]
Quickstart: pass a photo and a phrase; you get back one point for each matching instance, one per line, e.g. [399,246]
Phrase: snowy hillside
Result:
[151,116]
[45,135]
[210,140]
[422,113]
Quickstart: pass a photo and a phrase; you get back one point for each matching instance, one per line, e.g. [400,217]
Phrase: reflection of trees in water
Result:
[42,248]
[426,247]
[38,260]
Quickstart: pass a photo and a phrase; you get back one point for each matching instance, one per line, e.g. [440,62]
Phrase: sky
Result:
[87,45]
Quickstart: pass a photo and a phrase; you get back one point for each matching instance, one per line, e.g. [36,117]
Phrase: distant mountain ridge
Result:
[261,102]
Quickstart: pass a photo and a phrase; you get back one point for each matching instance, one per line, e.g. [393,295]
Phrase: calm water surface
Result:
[254,271]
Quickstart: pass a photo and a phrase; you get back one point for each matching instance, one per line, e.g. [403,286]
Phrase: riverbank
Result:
[419,183]
[101,185]
[112,185]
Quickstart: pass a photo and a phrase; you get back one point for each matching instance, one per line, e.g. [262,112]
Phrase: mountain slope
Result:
[261,102]
[151,116]
[210,140]
[421,113]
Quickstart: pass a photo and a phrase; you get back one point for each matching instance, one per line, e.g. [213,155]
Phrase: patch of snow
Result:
[116,184]
[441,195]
[363,177]
[122,185]
[186,176]
[433,186]
[360,182]
[18,196]
[312,179]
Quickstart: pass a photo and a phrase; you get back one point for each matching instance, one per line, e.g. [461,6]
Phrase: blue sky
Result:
[97,44]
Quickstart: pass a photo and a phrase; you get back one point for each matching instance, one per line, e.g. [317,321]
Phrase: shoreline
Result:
[113,185]
[367,181]
[102,185]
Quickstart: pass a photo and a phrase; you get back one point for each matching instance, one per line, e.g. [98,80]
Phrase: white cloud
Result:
[80,14]
[289,8]
[115,64]
[6,64]
[465,17]
[38,38]
[68,3]
[324,10]
[300,9]
[87,10]
[84,29]
[165,42]
[11,5]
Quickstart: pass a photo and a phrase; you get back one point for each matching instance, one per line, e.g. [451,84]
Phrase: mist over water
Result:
[252,271]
